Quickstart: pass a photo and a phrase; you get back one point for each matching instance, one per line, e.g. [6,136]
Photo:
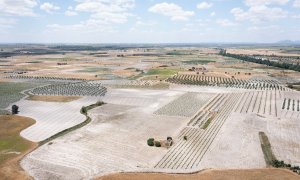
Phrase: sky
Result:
[148,21]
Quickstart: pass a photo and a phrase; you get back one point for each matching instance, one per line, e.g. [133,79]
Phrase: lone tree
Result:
[15,109]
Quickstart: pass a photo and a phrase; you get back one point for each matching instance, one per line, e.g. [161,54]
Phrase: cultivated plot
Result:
[115,140]
[51,117]
[186,105]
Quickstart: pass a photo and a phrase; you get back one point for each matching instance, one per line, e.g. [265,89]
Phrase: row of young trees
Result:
[283,65]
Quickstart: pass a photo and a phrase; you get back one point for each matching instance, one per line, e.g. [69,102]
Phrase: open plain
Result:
[213,107]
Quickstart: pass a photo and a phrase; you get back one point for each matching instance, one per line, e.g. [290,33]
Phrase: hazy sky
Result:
[149,21]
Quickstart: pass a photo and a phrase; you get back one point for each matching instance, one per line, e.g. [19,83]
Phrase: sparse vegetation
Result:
[266,148]
[150,142]
[157,144]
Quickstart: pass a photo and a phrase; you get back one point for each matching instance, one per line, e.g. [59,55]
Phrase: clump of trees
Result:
[15,109]
[283,65]
[150,142]
[157,144]
[83,110]
[153,142]
[281,164]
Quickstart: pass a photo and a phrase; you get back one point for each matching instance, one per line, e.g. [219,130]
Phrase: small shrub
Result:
[150,142]
[83,110]
[157,144]
[99,103]
[15,109]
[185,138]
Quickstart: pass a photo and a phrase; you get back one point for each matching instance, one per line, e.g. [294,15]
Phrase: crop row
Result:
[261,102]
[189,151]
[71,89]
[207,112]
[11,92]
[291,104]
[186,105]
[224,82]
[44,78]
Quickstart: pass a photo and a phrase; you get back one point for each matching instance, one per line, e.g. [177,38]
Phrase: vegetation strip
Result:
[270,158]
[266,148]
[84,111]
[283,65]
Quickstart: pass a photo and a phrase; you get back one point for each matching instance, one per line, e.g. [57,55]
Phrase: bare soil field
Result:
[247,174]
[53,98]
[114,127]
[13,147]
[51,117]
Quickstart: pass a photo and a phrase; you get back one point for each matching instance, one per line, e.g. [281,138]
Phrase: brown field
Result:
[249,174]
[13,147]
[53,98]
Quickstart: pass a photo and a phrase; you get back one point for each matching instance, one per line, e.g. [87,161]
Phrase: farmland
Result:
[214,109]
[12,146]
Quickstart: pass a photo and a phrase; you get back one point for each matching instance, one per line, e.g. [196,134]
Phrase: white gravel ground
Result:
[116,139]
[51,117]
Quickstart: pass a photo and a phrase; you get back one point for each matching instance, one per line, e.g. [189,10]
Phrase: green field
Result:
[11,92]
[11,143]
[198,61]
[266,148]
[162,72]
[94,69]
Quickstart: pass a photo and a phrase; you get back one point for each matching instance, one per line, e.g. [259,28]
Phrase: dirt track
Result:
[251,174]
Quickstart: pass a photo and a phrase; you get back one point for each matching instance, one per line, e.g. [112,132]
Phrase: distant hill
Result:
[288,42]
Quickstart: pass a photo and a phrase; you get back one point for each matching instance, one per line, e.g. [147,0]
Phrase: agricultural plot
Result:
[202,80]
[71,89]
[213,107]
[187,154]
[260,102]
[143,98]
[115,140]
[291,105]
[45,78]
[11,92]
[186,105]
[51,117]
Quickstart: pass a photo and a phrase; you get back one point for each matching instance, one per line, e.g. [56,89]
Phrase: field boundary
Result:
[266,148]
[73,128]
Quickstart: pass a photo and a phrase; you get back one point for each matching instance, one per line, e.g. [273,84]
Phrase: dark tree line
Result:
[283,65]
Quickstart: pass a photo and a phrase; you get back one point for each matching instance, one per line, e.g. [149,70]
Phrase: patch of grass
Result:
[136,76]
[13,147]
[11,143]
[94,69]
[54,59]
[33,62]
[162,72]
[11,92]
[207,123]
[198,61]
[266,148]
